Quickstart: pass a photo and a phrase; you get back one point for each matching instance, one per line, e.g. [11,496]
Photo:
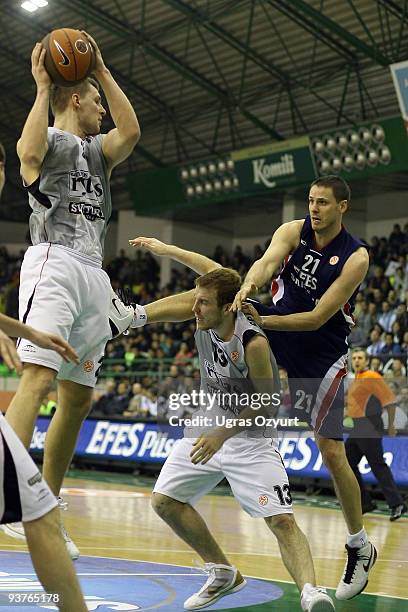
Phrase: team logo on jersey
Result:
[88,365]
[263,500]
[235,355]
[333,260]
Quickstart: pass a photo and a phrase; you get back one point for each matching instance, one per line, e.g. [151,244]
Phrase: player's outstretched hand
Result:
[207,445]
[157,247]
[246,290]
[99,63]
[41,76]
[9,353]
[251,312]
[54,343]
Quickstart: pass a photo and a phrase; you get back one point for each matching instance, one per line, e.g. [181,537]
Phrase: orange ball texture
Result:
[69,58]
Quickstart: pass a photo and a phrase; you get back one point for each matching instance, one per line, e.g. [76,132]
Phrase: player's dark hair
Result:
[225,281]
[340,188]
[2,153]
[61,96]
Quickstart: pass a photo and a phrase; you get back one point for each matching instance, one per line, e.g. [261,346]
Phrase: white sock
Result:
[357,540]
[140,316]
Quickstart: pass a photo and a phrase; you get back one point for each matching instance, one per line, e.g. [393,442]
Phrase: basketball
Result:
[70,57]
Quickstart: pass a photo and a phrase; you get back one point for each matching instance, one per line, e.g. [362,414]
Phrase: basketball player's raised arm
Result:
[33,146]
[338,294]
[119,143]
[197,262]
[284,241]
[171,309]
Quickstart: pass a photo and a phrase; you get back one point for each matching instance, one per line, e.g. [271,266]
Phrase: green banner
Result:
[276,165]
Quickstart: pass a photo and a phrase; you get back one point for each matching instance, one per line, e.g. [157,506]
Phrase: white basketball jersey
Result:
[71,199]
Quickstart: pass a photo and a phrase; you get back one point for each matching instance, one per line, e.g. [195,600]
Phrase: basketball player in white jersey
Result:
[63,289]
[233,353]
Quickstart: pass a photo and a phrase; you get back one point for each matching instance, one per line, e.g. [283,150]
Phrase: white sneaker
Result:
[72,549]
[222,580]
[14,530]
[120,315]
[315,599]
[355,577]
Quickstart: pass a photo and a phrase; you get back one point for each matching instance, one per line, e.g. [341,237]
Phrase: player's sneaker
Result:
[120,315]
[355,577]
[72,549]
[14,530]
[316,599]
[222,580]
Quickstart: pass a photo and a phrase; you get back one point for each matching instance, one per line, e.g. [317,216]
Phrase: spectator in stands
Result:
[390,347]
[394,368]
[138,407]
[183,355]
[404,344]
[396,239]
[397,332]
[102,406]
[376,344]
[387,317]
[376,364]
[402,316]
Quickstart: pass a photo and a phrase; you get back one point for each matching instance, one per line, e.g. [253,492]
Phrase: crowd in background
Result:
[141,369]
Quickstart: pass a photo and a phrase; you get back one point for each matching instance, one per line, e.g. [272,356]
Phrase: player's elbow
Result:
[316,321]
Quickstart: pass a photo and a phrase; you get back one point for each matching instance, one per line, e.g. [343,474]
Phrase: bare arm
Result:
[119,143]
[284,241]
[2,177]
[14,328]
[391,408]
[172,309]
[331,301]
[32,146]
[197,262]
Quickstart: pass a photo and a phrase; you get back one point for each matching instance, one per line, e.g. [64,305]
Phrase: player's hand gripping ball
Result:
[69,58]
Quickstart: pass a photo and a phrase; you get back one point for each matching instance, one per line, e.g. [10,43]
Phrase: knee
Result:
[38,380]
[281,523]
[163,505]
[333,454]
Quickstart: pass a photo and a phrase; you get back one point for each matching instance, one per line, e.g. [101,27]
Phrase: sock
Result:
[140,316]
[357,540]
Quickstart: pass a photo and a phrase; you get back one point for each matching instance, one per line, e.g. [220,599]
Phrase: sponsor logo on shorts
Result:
[88,365]
[29,348]
[37,478]
[333,260]
[263,500]
[235,355]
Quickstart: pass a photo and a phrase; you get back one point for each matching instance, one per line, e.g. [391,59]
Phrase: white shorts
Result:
[24,495]
[65,293]
[253,468]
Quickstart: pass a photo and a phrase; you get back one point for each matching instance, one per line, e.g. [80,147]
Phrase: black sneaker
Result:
[397,512]
[369,507]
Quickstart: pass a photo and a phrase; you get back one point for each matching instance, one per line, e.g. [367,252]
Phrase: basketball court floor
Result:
[132,561]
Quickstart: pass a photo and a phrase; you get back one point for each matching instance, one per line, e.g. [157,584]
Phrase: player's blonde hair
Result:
[225,281]
[61,96]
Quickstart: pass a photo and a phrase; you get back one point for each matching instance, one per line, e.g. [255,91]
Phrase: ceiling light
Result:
[29,6]
[39,3]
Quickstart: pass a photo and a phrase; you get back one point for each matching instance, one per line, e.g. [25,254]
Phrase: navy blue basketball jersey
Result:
[308,272]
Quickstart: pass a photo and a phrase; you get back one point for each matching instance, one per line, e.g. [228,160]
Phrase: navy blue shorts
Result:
[316,369]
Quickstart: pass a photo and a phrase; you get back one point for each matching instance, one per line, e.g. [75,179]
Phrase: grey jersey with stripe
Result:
[71,199]
[224,371]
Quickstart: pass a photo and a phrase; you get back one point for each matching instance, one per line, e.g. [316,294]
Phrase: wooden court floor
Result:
[111,517]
